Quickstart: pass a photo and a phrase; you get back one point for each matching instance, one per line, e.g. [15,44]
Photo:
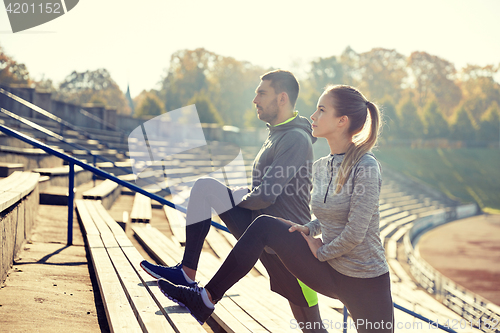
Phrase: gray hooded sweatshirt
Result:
[282,172]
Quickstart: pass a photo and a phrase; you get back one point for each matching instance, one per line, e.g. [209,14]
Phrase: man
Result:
[281,184]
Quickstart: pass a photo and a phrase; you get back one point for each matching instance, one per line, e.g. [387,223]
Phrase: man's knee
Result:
[205,183]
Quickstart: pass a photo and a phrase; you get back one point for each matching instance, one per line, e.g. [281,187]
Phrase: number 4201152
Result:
[25,8]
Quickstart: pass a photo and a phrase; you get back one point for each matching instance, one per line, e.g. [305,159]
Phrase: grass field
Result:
[465,174]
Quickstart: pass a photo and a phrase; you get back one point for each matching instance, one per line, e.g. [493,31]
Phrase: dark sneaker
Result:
[188,297]
[172,274]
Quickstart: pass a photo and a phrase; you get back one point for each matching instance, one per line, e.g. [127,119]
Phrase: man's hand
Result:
[314,243]
[295,226]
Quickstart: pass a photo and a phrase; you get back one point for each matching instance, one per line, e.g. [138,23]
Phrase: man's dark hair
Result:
[283,81]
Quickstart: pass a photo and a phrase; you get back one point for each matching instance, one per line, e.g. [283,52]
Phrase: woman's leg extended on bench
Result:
[291,248]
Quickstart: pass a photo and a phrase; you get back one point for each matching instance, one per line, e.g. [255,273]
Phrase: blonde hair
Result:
[364,125]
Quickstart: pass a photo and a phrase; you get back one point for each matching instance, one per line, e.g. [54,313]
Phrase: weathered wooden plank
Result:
[15,178]
[101,190]
[120,316]
[143,305]
[141,210]
[181,319]
[177,223]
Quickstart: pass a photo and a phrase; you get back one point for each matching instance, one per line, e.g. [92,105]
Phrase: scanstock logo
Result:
[170,152]
[26,14]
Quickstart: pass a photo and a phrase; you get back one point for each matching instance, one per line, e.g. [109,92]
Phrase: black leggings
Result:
[368,300]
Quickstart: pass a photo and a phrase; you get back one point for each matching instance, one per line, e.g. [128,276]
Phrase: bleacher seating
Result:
[106,192]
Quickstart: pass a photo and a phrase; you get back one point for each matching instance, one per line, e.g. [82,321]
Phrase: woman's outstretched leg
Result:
[291,248]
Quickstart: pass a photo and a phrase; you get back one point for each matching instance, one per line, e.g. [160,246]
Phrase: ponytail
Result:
[363,142]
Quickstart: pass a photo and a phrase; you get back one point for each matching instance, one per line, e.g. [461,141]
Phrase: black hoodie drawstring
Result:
[331,177]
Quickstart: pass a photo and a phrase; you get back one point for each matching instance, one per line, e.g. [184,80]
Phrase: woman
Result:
[349,262]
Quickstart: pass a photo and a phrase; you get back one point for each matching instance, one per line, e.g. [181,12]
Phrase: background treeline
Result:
[422,96]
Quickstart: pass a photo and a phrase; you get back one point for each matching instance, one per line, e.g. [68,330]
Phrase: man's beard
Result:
[271,112]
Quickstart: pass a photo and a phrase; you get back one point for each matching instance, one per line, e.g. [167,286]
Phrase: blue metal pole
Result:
[95,166]
[344,325]
[71,197]
[427,320]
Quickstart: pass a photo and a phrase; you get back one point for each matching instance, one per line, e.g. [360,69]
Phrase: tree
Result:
[206,110]
[435,124]
[479,89]
[149,105]
[325,71]
[434,78]
[489,128]
[463,128]
[44,84]
[12,72]
[80,88]
[390,120]
[228,83]
[308,99]
[411,126]
[186,76]
[350,67]
[383,73]
[231,89]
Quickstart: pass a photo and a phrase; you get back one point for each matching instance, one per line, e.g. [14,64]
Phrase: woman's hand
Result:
[295,226]
[314,243]
[238,193]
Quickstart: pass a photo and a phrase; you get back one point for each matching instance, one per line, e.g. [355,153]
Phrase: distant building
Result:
[129,99]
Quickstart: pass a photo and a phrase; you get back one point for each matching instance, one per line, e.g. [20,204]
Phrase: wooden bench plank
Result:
[101,190]
[27,185]
[63,170]
[120,316]
[141,210]
[177,222]
[6,169]
[7,183]
[15,187]
[392,218]
[181,319]
[395,225]
[143,305]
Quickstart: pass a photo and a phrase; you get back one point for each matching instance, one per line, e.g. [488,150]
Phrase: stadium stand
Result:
[131,298]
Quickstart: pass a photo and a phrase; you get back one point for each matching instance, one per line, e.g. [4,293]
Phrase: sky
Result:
[134,40]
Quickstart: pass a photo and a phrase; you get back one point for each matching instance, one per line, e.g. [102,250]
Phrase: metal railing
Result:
[72,161]
[103,122]
[62,123]
[62,139]
[468,305]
